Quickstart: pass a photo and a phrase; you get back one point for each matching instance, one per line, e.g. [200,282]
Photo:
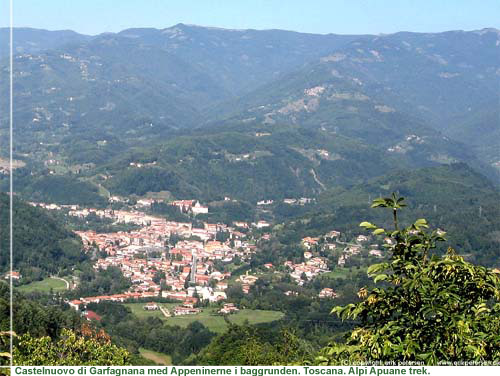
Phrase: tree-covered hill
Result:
[143,81]
[138,86]
[481,129]
[250,164]
[454,198]
[403,83]
[60,189]
[30,41]
[42,246]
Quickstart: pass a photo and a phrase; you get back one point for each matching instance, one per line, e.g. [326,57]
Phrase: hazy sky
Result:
[315,16]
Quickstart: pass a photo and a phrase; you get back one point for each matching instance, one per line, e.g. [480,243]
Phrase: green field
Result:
[140,312]
[44,286]
[207,317]
[217,324]
[158,358]
[338,273]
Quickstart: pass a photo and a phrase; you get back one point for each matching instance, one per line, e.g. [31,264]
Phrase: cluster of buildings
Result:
[299,201]
[289,201]
[406,145]
[190,206]
[185,271]
[14,275]
[325,242]
[228,308]
[327,293]
[307,270]
[347,253]
[352,250]
[330,241]
[186,308]
[53,206]
[119,216]
[247,281]
[78,304]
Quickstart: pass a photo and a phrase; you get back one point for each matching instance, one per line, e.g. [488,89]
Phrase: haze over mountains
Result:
[251,113]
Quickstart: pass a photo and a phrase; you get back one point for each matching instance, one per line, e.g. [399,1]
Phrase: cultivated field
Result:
[208,316]
[158,358]
[44,286]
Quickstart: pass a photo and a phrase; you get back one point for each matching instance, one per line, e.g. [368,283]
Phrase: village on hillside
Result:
[180,262]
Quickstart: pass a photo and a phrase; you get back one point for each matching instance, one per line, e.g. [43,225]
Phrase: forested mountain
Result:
[481,131]
[454,198]
[249,165]
[261,162]
[240,60]
[42,246]
[246,113]
[32,41]
[143,81]
[116,90]
[393,83]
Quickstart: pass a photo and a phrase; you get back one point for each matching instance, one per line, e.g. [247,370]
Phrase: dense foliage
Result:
[34,318]
[70,349]
[448,196]
[248,345]
[100,282]
[53,334]
[48,328]
[60,189]
[433,309]
[42,246]
[133,333]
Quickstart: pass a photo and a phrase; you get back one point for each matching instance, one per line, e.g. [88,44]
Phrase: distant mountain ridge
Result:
[204,66]
[143,81]
[328,102]
[30,40]
[431,79]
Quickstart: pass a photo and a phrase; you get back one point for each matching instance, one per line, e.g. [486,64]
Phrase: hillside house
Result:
[75,304]
[15,275]
[327,293]
[199,209]
[151,306]
[228,308]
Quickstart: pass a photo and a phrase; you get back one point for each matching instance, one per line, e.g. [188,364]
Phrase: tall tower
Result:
[193,267]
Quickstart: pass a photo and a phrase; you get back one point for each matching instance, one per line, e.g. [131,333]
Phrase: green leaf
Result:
[337,310]
[367,225]
[380,277]
[379,202]
[378,231]
[375,268]
[421,223]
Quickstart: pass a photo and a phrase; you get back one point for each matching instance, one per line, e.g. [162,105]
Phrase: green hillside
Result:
[42,246]
[90,98]
[249,164]
[454,198]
